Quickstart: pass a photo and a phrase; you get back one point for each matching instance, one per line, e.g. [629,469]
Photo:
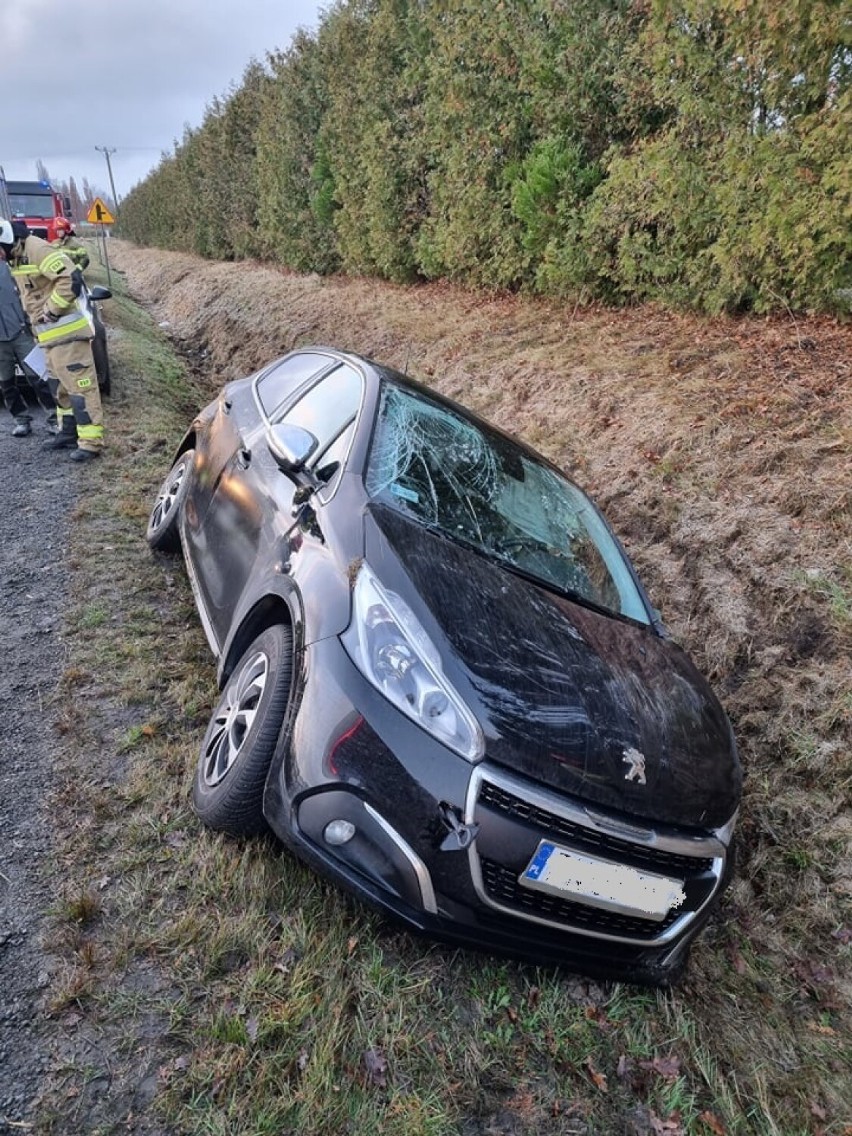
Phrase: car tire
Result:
[101,359]
[162,533]
[242,735]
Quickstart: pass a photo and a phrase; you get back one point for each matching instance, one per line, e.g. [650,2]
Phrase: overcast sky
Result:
[123,74]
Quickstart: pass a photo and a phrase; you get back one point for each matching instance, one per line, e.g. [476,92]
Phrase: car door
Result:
[240,408]
[243,408]
[253,507]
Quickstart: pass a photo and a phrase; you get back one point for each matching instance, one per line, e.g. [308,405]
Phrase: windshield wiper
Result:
[551,585]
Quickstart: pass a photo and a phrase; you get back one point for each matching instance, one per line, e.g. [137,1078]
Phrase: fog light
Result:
[338,832]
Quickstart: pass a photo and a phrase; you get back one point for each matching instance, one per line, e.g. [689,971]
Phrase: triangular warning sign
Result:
[99,214]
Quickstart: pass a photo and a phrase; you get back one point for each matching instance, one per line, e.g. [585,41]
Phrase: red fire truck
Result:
[37,203]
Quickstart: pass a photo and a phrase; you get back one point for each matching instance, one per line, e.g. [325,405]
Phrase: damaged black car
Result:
[442,683]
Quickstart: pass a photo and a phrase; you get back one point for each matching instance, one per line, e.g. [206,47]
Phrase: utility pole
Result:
[106,151]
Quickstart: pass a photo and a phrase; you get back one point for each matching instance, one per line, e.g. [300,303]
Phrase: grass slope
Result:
[216,986]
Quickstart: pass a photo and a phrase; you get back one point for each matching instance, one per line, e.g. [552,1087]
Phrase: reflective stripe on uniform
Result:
[62,329]
[59,301]
[53,264]
[90,433]
[26,270]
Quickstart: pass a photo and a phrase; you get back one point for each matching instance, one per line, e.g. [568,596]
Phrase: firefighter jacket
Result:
[50,288]
[72,248]
[12,319]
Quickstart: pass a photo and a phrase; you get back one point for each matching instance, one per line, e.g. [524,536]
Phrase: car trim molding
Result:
[427,891]
[709,847]
[206,622]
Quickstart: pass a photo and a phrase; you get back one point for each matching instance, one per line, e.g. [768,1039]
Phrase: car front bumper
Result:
[442,844]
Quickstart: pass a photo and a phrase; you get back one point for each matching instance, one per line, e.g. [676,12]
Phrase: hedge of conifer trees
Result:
[692,152]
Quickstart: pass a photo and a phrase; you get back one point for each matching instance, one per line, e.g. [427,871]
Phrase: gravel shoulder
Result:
[40,490]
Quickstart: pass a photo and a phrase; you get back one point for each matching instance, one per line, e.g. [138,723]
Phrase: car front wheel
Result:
[242,736]
[162,532]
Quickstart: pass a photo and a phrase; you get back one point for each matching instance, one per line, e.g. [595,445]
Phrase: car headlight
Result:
[390,647]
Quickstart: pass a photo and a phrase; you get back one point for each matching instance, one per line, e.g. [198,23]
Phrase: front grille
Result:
[533,814]
[579,836]
[502,886]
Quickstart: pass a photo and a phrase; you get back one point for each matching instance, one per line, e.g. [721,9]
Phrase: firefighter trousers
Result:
[75,388]
[14,351]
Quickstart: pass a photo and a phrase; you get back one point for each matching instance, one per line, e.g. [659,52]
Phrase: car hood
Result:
[596,706]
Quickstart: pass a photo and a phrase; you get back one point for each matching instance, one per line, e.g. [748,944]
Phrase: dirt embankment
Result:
[720,451]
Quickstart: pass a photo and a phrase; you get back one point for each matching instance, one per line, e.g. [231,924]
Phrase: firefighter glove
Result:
[48,316]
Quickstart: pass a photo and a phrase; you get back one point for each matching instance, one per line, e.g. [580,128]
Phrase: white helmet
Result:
[7,237]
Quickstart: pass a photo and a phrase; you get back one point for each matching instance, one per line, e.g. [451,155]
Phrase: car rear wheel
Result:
[162,532]
[242,736]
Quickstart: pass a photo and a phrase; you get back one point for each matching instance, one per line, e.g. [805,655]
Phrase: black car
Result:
[442,682]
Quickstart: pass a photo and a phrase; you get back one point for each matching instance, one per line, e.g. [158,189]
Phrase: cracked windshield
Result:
[478,487]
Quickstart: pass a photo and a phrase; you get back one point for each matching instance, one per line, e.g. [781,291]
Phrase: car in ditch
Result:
[442,683]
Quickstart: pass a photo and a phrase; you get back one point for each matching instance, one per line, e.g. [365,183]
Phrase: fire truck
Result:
[39,204]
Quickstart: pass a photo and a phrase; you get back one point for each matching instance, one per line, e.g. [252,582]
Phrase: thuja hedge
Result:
[688,152]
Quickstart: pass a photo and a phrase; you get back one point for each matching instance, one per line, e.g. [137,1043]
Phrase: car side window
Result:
[328,406]
[327,464]
[283,380]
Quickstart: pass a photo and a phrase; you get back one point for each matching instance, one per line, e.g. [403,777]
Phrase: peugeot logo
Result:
[636,761]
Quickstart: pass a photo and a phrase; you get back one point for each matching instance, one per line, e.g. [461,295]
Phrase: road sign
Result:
[99,214]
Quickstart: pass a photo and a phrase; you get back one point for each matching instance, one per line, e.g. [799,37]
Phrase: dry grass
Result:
[263,999]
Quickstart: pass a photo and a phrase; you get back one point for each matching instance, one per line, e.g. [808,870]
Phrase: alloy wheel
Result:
[167,497]
[234,717]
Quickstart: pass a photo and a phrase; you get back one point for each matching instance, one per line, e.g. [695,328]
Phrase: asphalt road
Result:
[39,491]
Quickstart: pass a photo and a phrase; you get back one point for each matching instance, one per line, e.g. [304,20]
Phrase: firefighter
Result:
[16,343]
[66,239]
[50,286]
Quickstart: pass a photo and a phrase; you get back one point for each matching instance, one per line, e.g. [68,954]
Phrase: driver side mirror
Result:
[99,293]
[290,446]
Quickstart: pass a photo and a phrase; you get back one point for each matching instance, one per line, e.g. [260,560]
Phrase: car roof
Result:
[382,372]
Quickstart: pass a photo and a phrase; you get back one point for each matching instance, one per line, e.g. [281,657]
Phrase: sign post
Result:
[99,215]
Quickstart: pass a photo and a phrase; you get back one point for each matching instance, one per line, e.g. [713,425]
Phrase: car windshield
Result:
[31,204]
[477,486]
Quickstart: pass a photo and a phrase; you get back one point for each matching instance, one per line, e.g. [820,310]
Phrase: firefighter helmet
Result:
[10,233]
[63,226]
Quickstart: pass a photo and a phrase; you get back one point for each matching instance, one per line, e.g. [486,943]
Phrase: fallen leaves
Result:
[670,1126]
[712,1122]
[640,1073]
[598,1079]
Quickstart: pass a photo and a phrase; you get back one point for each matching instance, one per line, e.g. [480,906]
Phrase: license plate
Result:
[602,883]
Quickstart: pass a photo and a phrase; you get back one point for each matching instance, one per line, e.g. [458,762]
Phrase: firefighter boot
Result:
[22,426]
[84,455]
[66,439]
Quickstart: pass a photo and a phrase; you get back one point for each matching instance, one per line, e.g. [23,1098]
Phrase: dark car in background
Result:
[442,683]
